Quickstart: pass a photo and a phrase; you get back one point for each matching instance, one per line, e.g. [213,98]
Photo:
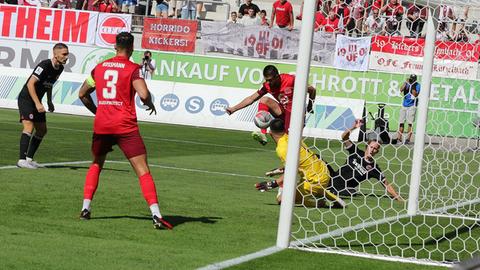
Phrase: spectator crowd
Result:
[364,18]
[349,17]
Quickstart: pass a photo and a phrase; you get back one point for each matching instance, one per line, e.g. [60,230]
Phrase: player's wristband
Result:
[90,81]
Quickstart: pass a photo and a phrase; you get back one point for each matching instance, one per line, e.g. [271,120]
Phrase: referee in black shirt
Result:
[31,109]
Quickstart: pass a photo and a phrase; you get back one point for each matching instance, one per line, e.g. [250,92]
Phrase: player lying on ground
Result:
[30,107]
[312,190]
[280,86]
[358,167]
[117,80]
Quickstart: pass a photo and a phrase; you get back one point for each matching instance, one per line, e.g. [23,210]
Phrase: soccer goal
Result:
[433,215]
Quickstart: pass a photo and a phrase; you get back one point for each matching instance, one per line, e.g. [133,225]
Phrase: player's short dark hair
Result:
[147,52]
[270,71]
[413,78]
[60,46]
[277,125]
[124,40]
[263,11]
[371,141]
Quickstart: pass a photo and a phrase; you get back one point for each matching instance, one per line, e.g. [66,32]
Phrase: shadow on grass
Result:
[174,220]
[177,220]
[71,167]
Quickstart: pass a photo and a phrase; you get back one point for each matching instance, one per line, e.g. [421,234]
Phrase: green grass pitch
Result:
[205,181]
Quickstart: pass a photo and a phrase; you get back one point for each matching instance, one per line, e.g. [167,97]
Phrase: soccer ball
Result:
[262,119]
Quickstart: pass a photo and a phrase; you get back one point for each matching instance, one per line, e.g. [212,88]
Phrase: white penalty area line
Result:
[50,164]
[151,165]
[148,138]
[242,259]
[259,149]
[176,141]
[192,170]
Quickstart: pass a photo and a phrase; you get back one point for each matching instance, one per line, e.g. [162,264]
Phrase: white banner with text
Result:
[352,53]
[262,42]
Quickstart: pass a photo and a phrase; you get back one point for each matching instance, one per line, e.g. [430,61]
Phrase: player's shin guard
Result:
[91,182]
[24,142]
[34,144]
[148,189]
[263,107]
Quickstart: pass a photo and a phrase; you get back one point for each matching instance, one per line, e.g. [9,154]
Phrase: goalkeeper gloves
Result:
[264,186]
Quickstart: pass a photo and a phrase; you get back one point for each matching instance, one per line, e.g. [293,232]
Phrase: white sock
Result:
[155,210]
[86,204]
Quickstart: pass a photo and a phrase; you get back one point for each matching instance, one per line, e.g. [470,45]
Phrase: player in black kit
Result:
[31,109]
[359,166]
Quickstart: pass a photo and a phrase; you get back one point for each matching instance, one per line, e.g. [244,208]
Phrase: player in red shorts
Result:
[117,80]
[280,86]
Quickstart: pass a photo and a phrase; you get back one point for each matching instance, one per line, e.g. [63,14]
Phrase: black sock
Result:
[24,141]
[34,144]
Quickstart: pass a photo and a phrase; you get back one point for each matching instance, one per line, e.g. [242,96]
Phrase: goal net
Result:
[442,226]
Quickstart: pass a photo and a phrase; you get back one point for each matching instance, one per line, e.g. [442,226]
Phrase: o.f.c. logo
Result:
[194,105]
[218,106]
[169,102]
[110,27]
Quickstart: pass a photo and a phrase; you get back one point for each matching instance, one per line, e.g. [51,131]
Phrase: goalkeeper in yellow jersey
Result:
[312,188]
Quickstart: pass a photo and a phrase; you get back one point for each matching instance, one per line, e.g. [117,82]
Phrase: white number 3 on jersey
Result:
[111,77]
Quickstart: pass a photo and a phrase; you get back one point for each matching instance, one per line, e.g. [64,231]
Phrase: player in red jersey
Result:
[280,86]
[117,80]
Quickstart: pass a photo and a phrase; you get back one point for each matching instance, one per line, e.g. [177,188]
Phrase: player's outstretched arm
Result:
[392,191]
[275,172]
[244,103]
[141,88]
[346,134]
[87,88]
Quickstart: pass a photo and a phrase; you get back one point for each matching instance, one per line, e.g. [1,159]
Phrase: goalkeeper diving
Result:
[312,188]
[359,166]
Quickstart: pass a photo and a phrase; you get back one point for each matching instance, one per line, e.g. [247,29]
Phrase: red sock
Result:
[91,181]
[263,107]
[148,188]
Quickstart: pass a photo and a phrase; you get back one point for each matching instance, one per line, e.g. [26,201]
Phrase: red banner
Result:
[62,25]
[445,50]
[169,34]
